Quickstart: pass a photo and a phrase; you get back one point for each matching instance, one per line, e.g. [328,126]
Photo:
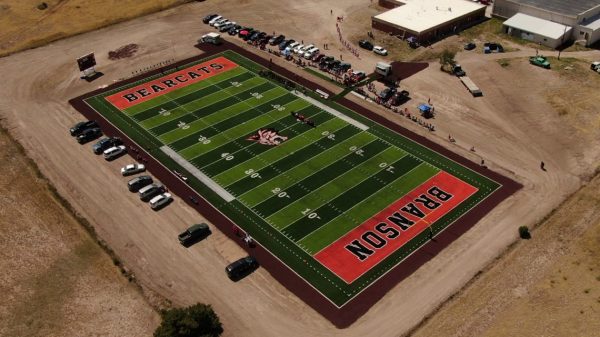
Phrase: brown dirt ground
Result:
[56,280]
[24,26]
[513,128]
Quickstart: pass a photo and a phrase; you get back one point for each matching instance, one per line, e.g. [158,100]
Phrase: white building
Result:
[542,20]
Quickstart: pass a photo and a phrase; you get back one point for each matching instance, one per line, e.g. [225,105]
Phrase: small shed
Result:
[426,110]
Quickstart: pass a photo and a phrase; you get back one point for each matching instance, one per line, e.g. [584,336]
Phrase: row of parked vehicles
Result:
[149,191]
[286,46]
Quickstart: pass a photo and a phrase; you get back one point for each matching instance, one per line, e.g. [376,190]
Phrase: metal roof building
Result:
[427,19]
[582,17]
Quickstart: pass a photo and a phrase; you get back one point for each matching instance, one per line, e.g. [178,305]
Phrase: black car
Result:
[365,44]
[387,93]
[209,17]
[255,35]
[241,268]
[400,97]
[265,39]
[261,36]
[105,143]
[345,66]
[285,43]
[78,128]
[89,135]
[150,191]
[136,183]
[193,234]
[234,30]
[470,46]
[333,64]
[276,40]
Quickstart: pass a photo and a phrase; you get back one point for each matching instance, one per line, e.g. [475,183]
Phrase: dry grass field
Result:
[24,26]
[56,280]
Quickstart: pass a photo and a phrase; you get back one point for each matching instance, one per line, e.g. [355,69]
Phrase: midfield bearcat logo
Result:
[267,137]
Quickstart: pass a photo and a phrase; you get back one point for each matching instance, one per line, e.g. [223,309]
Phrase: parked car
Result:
[290,47]
[130,169]
[89,135]
[226,27]
[304,49]
[78,128]
[265,39]
[209,17]
[458,71]
[470,46]
[219,22]
[276,40]
[114,152]
[241,268]
[540,61]
[194,233]
[136,183]
[234,30]
[148,192]
[215,19]
[400,97]
[490,47]
[365,44]
[105,143]
[160,201]
[283,44]
[345,66]
[318,57]
[595,66]
[387,93]
[244,30]
[380,50]
[311,52]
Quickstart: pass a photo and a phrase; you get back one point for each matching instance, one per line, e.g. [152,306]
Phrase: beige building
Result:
[427,20]
[579,20]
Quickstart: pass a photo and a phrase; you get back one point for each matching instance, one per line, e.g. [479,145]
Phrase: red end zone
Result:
[143,92]
[370,243]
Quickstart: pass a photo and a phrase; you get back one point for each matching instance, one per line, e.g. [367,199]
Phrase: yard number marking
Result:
[252,174]
[236,84]
[311,215]
[203,140]
[164,112]
[256,95]
[183,125]
[359,152]
[228,156]
[279,193]
[328,134]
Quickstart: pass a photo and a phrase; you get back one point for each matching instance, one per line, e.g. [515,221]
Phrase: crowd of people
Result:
[345,43]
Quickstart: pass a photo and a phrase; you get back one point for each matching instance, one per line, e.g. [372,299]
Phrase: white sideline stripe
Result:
[331,110]
[197,173]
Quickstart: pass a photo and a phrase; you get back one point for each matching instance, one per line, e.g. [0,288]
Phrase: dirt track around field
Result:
[512,128]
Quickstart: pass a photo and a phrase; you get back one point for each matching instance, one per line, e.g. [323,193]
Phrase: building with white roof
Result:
[427,19]
[541,20]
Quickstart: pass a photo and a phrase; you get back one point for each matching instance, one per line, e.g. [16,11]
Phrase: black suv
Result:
[78,128]
[88,135]
[136,183]
[193,234]
[241,268]
[105,143]
[276,40]
[365,44]
[285,43]
[386,93]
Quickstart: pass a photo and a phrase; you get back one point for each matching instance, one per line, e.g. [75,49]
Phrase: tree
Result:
[524,232]
[198,320]
[447,60]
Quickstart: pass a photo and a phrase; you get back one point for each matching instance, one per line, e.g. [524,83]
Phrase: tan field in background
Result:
[24,26]
[547,286]
[56,280]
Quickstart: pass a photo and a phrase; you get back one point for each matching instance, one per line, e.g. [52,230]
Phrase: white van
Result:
[161,200]
[311,52]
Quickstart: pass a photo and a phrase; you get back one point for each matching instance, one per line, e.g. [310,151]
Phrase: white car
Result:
[297,48]
[304,49]
[311,52]
[215,19]
[130,169]
[160,201]
[114,152]
[221,23]
[380,50]
[291,46]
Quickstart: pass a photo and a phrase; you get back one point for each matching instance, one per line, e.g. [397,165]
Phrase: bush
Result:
[524,232]
[447,60]
[198,320]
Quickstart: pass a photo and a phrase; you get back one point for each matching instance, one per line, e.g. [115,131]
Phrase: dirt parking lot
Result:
[513,127]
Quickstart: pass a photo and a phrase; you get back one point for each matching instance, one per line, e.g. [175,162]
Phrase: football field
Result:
[338,198]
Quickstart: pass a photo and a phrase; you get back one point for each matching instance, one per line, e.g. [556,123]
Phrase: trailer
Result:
[213,38]
[474,89]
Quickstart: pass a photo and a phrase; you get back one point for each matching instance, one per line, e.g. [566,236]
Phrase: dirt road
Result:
[512,127]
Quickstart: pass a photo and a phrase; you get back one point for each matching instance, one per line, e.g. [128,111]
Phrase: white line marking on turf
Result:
[197,173]
[331,111]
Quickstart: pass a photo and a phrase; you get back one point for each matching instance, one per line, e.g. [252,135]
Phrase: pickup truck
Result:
[193,234]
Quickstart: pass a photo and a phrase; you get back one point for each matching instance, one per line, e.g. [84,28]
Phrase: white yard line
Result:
[197,173]
[331,110]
